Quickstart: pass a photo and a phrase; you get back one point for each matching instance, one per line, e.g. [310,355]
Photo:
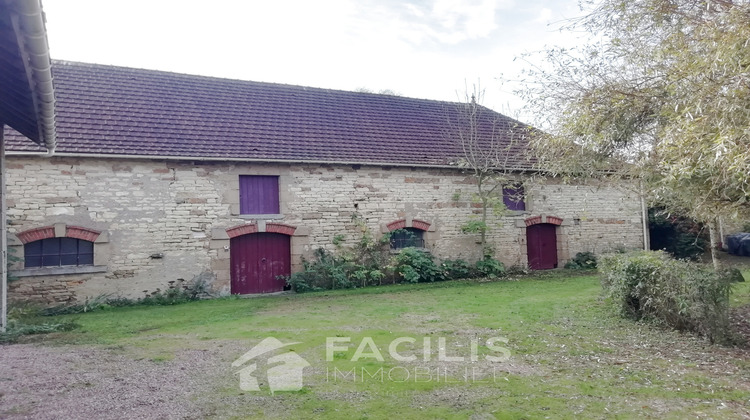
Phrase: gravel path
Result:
[75,382]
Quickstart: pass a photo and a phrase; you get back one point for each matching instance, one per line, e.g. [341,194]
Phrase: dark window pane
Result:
[51,260]
[85,259]
[68,246]
[34,261]
[33,249]
[85,247]
[51,246]
[69,259]
[259,194]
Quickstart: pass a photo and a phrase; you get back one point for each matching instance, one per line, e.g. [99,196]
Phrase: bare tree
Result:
[494,150]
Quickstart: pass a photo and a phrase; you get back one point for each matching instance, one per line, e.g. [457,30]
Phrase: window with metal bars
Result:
[57,252]
[407,237]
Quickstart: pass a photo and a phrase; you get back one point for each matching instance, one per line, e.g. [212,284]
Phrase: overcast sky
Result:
[418,48]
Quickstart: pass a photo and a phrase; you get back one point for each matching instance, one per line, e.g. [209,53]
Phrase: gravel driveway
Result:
[71,382]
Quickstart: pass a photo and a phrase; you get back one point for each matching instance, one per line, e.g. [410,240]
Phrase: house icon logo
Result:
[284,372]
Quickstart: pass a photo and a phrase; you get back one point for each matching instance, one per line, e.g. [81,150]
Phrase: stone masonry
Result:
[156,221]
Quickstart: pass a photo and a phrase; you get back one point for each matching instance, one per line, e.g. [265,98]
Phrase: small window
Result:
[407,237]
[513,197]
[259,194]
[56,252]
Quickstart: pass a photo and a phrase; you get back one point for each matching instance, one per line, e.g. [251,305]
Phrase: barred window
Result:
[56,252]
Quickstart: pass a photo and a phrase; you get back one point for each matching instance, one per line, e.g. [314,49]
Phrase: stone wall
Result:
[166,220]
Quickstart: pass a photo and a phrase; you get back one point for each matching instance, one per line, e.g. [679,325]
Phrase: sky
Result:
[430,49]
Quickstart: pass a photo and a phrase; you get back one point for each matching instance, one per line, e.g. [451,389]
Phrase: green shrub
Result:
[490,267]
[415,266]
[582,261]
[679,294]
[474,226]
[366,263]
[456,269]
[324,271]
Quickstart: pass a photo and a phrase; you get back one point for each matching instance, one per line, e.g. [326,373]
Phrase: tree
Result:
[492,151]
[660,95]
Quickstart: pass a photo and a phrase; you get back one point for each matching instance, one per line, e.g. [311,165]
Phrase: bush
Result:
[490,267]
[324,271]
[682,295]
[582,261]
[415,266]
[456,269]
[370,262]
[366,263]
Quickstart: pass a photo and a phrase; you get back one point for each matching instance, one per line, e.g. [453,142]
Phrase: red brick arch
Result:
[415,223]
[535,220]
[250,228]
[46,232]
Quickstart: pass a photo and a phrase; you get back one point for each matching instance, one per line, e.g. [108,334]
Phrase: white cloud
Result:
[450,21]
[421,48]
[544,15]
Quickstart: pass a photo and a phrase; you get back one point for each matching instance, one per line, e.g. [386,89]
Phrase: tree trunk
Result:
[713,233]
[484,227]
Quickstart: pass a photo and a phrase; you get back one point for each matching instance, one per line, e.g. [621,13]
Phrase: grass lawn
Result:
[570,356]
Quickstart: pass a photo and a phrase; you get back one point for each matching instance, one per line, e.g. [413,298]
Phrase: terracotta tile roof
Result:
[125,111]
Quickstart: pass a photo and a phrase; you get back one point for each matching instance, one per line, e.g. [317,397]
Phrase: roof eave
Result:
[29,25]
[255,160]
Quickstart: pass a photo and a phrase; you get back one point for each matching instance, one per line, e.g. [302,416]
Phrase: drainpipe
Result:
[3,239]
[644,219]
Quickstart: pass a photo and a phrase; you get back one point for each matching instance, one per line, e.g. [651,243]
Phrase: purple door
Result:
[541,244]
[257,260]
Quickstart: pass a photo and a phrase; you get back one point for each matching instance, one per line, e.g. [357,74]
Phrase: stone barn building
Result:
[160,176]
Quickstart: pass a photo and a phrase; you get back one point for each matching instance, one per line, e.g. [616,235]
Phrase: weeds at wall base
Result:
[178,291]
[16,329]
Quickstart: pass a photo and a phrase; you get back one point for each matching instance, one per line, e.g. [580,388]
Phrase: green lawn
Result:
[570,356]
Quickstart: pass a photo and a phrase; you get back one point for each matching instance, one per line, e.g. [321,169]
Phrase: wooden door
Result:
[541,244]
[257,260]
